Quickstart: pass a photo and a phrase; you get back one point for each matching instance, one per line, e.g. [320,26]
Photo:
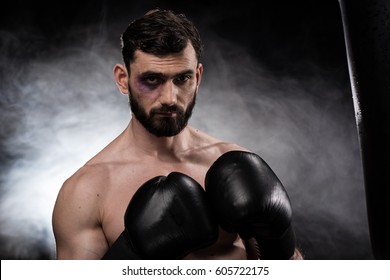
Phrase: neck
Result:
[152,145]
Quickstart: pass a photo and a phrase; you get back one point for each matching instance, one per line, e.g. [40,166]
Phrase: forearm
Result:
[297,255]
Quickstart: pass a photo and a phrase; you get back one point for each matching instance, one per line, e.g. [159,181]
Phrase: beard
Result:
[162,126]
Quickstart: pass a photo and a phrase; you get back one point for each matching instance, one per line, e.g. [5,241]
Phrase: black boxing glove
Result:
[167,218]
[248,198]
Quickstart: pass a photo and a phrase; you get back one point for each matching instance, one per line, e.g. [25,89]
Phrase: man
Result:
[161,75]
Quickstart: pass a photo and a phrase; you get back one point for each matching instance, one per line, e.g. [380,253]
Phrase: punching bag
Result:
[367,39]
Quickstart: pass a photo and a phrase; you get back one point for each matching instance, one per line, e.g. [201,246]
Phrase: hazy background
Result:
[275,81]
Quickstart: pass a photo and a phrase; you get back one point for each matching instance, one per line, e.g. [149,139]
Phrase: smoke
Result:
[60,106]
[58,110]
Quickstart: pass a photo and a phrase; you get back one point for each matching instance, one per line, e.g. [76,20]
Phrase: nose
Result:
[168,94]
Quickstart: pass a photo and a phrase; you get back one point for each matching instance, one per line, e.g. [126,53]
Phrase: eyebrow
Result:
[162,75]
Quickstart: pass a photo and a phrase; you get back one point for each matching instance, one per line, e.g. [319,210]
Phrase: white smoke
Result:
[66,108]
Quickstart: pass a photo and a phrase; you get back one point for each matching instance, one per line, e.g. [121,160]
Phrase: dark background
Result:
[275,81]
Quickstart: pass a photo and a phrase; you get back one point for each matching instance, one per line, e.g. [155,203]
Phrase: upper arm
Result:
[76,222]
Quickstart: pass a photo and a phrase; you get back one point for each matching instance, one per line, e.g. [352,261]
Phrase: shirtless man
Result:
[161,75]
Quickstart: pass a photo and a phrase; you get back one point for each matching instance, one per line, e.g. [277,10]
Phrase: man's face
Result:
[162,90]
[164,121]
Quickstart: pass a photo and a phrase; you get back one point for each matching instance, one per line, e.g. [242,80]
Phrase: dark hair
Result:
[159,32]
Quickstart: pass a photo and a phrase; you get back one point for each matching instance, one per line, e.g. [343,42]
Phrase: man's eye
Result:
[182,79]
[152,80]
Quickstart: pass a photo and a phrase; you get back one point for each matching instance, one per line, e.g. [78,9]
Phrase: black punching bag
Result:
[367,37]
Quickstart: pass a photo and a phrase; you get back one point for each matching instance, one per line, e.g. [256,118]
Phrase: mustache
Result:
[166,109]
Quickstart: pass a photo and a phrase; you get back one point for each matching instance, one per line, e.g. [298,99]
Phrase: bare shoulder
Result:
[88,184]
[81,191]
[88,178]
[91,178]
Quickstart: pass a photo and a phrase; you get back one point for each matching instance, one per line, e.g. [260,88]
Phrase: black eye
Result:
[152,80]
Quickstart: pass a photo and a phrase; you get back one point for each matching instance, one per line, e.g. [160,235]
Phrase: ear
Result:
[199,71]
[121,78]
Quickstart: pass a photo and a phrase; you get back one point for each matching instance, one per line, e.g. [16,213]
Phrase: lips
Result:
[166,114]
[166,111]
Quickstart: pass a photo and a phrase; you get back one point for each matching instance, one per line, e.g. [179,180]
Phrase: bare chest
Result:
[124,182]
